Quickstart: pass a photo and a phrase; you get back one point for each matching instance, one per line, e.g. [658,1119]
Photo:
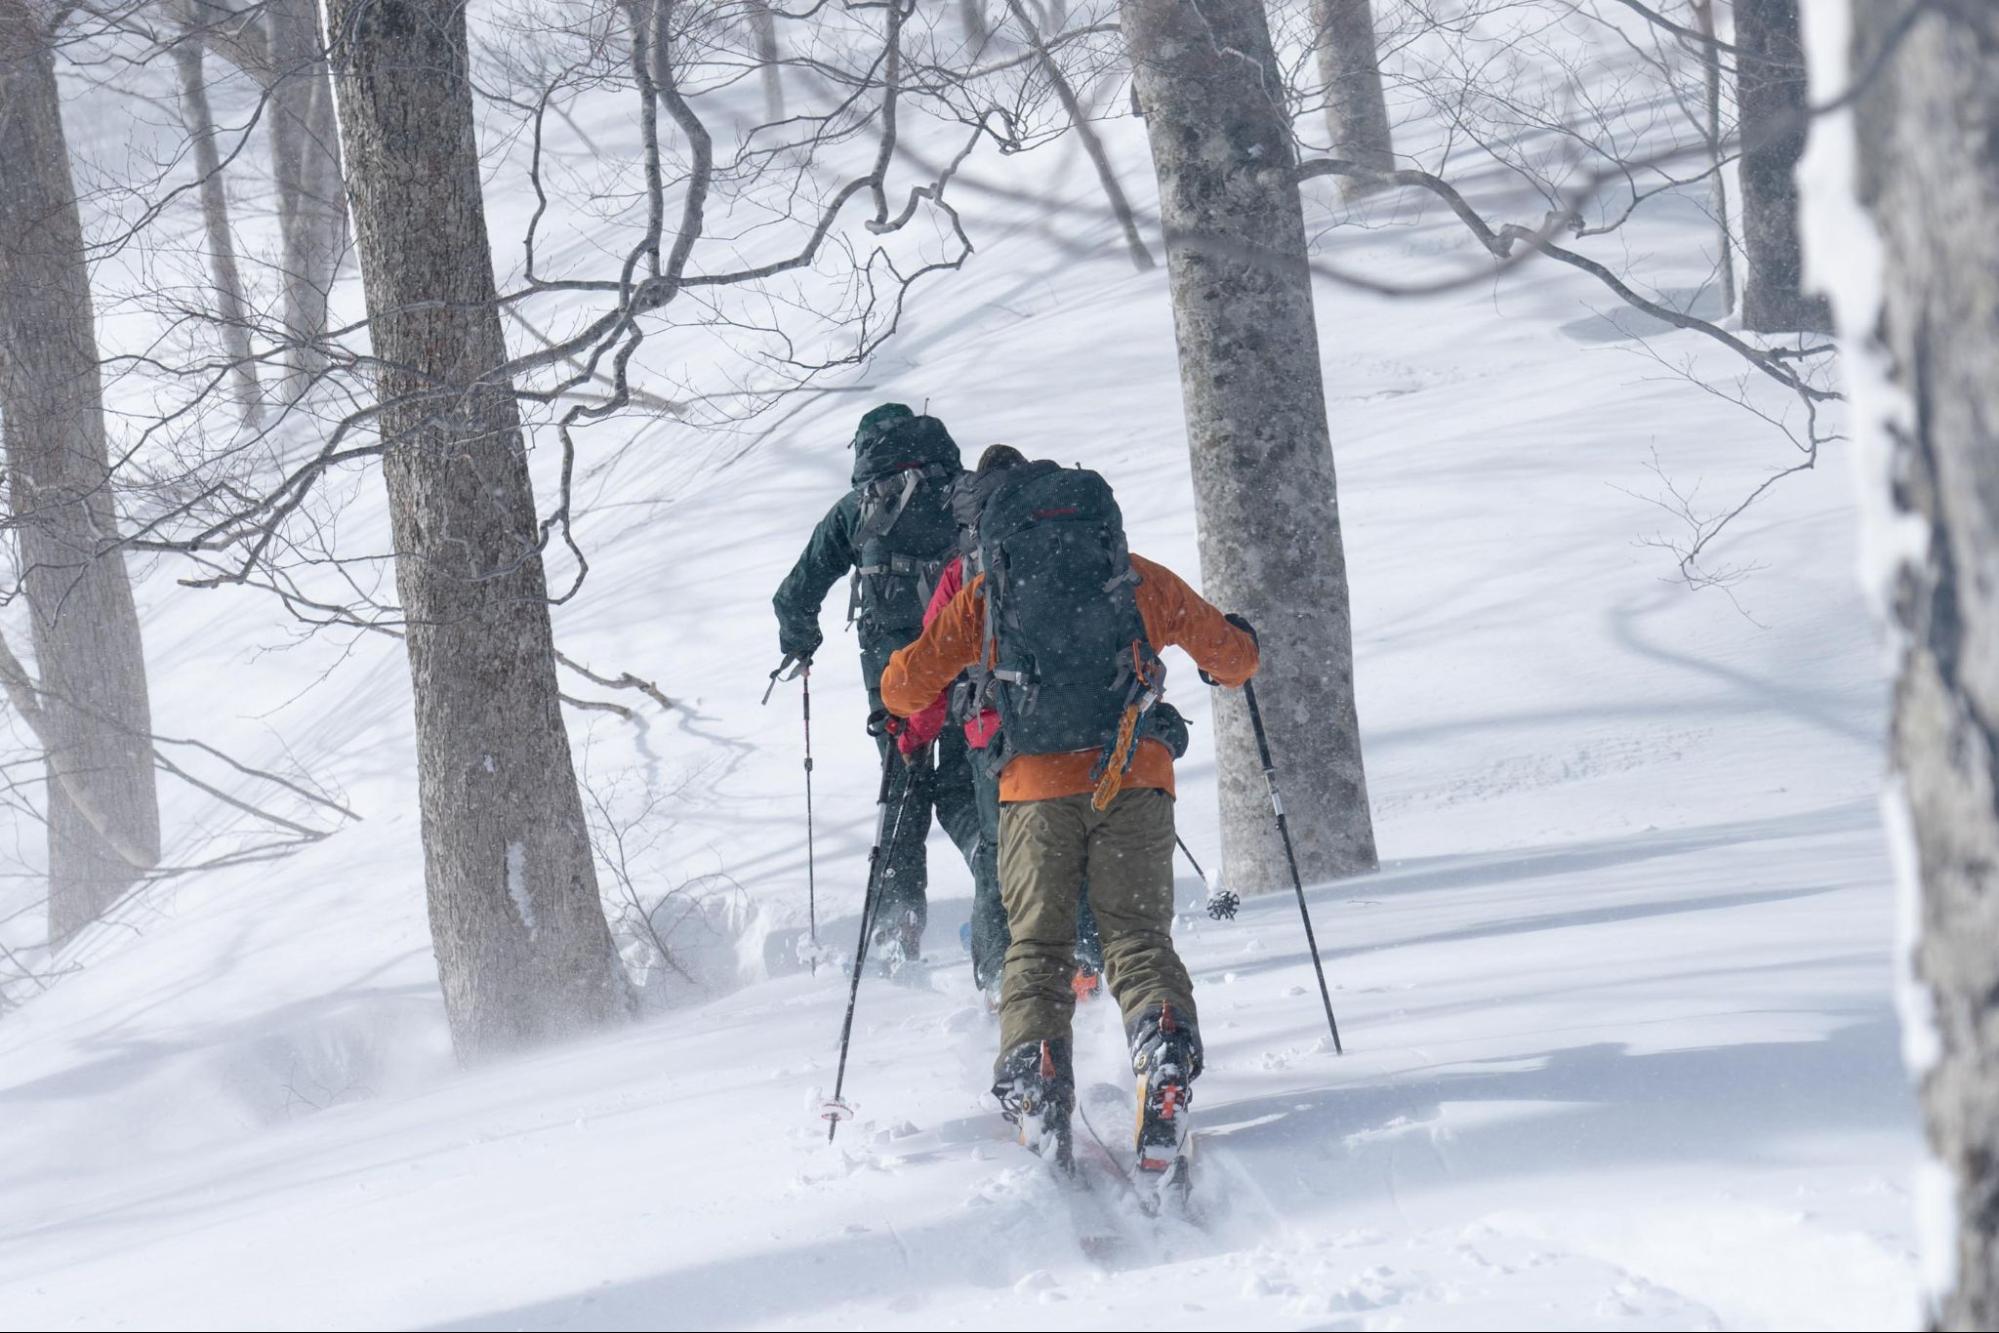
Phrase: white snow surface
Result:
[1621,1041]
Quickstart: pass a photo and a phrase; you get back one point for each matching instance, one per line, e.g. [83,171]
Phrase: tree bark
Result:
[95,718]
[1930,176]
[1770,99]
[523,951]
[1356,108]
[1264,487]
[232,312]
[763,27]
[312,199]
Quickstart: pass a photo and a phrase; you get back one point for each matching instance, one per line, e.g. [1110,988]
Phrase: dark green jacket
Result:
[827,558]
[925,530]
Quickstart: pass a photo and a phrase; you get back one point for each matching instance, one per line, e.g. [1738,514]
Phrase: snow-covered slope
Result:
[1620,1044]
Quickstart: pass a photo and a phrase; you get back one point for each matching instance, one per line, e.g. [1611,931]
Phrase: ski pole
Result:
[836,1110]
[1221,903]
[804,675]
[811,859]
[1291,856]
[1199,873]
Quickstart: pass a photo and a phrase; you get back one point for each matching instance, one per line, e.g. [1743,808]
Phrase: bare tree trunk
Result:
[972,17]
[522,947]
[763,27]
[95,718]
[1770,95]
[1930,176]
[1356,108]
[232,312]
[1256,424]
[1079,119]
[312,200]
[1711,72]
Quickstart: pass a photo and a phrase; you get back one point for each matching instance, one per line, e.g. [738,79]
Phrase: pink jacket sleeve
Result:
[927,725]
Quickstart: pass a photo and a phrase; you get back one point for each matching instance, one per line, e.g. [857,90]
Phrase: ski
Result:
[1165,1190]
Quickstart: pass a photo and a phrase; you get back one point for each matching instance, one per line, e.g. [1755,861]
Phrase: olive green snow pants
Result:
[1046,850]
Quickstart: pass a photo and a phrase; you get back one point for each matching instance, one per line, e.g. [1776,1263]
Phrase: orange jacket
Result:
[1175,616]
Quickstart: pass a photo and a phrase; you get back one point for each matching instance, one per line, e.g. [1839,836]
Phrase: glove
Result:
[1222,905]
[1241,623]
[907,744]
[800,646]
[881,722]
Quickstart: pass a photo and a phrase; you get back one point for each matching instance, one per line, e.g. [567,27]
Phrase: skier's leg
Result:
[989,932]
[954,796]
[905,878]
[1131,890]
[1131,887]
[1042,849]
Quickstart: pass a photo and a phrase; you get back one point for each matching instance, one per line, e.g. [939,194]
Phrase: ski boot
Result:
[1166,1056]
[1036,1088]
[1087,982]
[899,945]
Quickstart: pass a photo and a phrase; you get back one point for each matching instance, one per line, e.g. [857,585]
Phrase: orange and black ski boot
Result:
[1166,1055]
[1036,1087]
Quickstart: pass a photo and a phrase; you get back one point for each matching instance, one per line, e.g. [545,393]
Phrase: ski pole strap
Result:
[777,673]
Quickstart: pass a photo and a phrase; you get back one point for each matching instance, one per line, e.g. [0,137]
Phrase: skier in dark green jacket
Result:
[892,535]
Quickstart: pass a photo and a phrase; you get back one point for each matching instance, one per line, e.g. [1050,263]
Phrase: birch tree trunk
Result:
[763,27]
[94,717]
[1930,176]
[523,951]
[1256,426]
[232,312]
[312,201]
[1356,108]
[1770,98]
[1093,146]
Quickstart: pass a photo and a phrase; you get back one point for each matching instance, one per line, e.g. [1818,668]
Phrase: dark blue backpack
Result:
[1072,667]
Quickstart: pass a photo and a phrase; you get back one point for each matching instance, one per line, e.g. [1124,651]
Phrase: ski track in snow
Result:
[1621,1051]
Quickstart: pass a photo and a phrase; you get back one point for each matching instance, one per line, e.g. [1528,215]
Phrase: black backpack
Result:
[904,465]
[1071,664]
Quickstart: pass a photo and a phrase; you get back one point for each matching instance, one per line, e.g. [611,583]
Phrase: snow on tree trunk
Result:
[1770,96]
[95,720]
[522,947]
[231,311]
[1356,109]
[312,202]
[1711,131]
[1929,174]
[1256,426]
